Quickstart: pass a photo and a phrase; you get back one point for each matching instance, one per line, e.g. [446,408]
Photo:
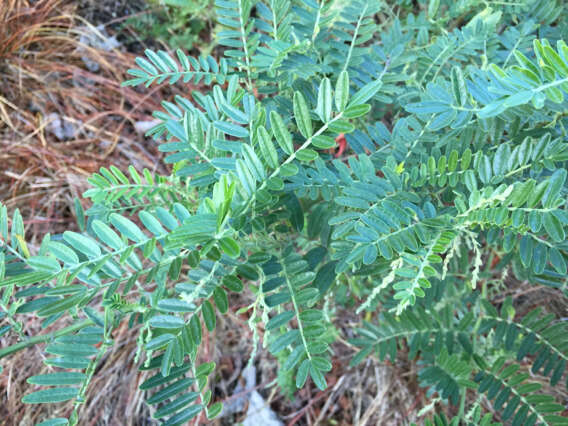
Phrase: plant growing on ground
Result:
[453,178]
[177,23]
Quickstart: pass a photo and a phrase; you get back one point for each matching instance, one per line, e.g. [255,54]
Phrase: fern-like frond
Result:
[289,281]
[515,398]
[160,66]
[536,335]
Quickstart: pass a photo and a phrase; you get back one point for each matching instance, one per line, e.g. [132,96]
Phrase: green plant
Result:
[177,23]
[455,176]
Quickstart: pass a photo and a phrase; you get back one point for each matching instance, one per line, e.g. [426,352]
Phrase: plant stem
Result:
[106,343]
[462,404]
[244,41]
[296,311]
[354,39]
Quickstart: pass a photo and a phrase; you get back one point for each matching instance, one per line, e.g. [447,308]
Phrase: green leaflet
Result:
[82,243]
[302,115]
[342,91]
[281,133]
[54,422]
[325,101]
[57,379]
[253,163]
[43,263]
[50,396]
[127,228]
[166,321]
[267,148]
[209,315]
[231,129]
[107,235]
[366,93]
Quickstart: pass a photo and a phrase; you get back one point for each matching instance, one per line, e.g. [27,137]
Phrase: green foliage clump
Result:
[454,115]
[179,24]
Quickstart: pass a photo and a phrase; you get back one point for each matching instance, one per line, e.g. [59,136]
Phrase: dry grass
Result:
[45,79]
